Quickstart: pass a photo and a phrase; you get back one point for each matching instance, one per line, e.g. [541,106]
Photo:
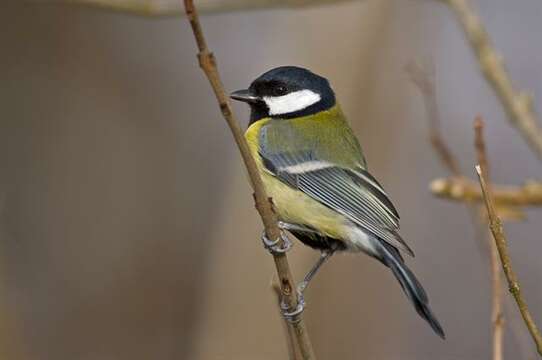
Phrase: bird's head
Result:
[286,92]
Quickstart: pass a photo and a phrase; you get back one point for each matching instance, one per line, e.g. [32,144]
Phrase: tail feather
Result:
[411,286]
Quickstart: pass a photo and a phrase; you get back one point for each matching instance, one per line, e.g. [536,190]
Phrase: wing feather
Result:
[355,194]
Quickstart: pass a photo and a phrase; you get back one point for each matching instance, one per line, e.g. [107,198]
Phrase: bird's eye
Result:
[280,90]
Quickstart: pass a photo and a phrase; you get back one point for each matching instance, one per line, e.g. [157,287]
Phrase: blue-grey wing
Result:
[354,193]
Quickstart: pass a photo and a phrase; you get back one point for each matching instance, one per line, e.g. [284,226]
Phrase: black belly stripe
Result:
[319,242]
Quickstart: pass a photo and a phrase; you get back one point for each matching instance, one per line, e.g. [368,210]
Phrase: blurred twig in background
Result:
[518,105]
[461,188]
[495,224]
[458,187]
[263,203]
[425,82]
[173,7]
[528,194]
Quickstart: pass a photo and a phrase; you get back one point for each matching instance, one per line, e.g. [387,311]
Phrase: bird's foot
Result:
[277,246]
[294,315]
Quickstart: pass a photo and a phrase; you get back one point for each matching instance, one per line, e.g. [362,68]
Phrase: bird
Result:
[313,168]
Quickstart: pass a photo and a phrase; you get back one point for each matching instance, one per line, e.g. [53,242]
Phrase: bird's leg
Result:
[293,316]
[273,245]
[324,256]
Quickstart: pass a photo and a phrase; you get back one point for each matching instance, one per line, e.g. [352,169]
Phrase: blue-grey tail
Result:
[411,286]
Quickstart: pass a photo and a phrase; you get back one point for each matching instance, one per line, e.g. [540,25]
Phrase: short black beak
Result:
[244,96]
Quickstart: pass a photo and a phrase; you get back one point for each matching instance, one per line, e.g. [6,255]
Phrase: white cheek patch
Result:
[291,102]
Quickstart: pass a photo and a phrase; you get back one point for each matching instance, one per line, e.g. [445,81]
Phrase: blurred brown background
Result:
[127,229]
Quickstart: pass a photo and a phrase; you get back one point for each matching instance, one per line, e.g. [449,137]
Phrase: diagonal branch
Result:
[518,105]
[497,314]
[263,203]
[496,227]
[425,82]
[293,349]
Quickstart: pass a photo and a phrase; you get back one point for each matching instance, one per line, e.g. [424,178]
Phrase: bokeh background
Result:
[127,228]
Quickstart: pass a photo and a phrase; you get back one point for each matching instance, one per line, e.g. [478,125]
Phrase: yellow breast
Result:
[292,205]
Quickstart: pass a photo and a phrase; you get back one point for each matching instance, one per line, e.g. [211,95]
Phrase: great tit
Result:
[313,168]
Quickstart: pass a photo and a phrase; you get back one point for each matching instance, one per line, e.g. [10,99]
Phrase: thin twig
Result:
[263,203]
[517,328]
[496,227]
[497,315]
[518,105]
[480,146]
[293,349]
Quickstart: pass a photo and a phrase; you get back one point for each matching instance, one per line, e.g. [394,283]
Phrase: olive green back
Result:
[326,134]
